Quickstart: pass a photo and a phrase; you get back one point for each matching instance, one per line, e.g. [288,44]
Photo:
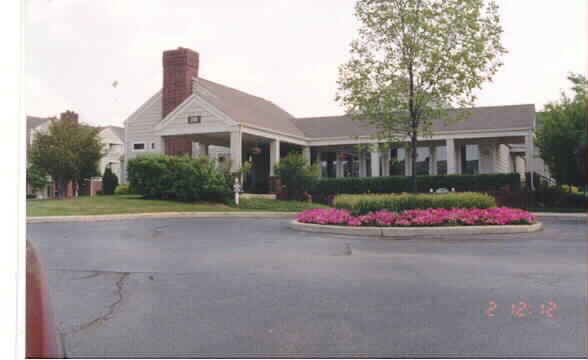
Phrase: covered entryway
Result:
[232,149]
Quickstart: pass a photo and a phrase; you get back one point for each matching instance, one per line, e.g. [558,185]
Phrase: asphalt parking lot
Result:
[244,287]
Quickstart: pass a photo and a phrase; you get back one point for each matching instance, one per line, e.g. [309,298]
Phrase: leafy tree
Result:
[297,175]
[36,177]
[109,182]
[415,58]
[561,138]
[68,151]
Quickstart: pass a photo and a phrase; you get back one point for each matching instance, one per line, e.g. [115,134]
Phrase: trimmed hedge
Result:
[178,177]
[122,189]
[365,203]
[399,184]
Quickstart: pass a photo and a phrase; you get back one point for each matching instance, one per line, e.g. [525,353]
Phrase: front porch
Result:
[232,149]
[502,153]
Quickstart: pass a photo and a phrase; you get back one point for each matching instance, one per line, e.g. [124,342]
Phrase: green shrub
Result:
[109,182]
[277,205]
[181,178]
[365,203]
[399,184]
[122,189]
[297,175]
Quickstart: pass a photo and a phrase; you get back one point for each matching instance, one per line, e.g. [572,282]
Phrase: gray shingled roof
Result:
[481,118]
[248,108]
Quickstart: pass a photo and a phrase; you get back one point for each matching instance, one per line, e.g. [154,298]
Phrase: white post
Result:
[306,153]
[236,190]
[451,161]
[202,149]
[236,144]
[385,163]
[274,155]
[529,157]
[432,160]
[375,162]
[362,164]
[408,162]
[338,165]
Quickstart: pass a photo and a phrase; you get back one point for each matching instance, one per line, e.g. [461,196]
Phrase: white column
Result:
[408,162]
[385,163]
[432,160]
[306,153]
[338,165]
[451,156]
[159,145]
[529,158]
[274,155]
[362,164]
[375,161]
[202,149]
[236,145]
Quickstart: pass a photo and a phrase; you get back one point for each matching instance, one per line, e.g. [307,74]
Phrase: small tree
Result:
[68,151]
[297,175]
[109,182]
[562,136]
[37,178]
[412,59]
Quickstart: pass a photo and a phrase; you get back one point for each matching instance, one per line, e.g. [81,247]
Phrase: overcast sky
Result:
[286,51]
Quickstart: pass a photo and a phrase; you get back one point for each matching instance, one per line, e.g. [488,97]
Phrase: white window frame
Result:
[139,150]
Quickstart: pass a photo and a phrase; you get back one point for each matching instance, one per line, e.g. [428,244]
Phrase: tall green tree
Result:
[561,137]
[413,59]
[68,151]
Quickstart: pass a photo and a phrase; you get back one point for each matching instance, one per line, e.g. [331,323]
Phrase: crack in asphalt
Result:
[111,307]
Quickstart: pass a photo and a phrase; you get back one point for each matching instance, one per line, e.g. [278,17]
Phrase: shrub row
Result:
[398,184]
[363,204]
[180,178]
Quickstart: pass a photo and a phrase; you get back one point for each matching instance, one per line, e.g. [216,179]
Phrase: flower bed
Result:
[418,217]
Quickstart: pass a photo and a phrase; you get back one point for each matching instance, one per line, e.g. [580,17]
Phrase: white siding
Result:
[210,118]
[139,128]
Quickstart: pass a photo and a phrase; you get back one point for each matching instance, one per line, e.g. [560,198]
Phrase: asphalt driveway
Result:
[241,287]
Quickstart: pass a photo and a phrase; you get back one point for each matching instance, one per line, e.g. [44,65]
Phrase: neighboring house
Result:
[112,139]
[194,116]
[41,125]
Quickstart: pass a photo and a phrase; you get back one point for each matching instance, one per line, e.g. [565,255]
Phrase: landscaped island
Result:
[418,217]
[421,210]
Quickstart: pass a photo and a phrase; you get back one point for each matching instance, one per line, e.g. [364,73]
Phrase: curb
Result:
[392,232]
[548,214]
[164,215]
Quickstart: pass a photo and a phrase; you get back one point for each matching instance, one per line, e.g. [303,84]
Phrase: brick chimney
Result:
[69,116]
[179,67]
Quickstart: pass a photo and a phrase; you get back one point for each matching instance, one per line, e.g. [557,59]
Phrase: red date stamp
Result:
[523,309]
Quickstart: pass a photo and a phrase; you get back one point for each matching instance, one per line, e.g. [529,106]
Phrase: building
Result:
[112,139]
[194,116]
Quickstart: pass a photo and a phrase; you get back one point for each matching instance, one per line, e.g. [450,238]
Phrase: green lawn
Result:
[127,204]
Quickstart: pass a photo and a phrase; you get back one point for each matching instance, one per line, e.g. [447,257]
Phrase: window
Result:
[441,160]
[139,147]
[152,146]
[328,164]
[194,119]
[422,161]
[470,159]
[397,158]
